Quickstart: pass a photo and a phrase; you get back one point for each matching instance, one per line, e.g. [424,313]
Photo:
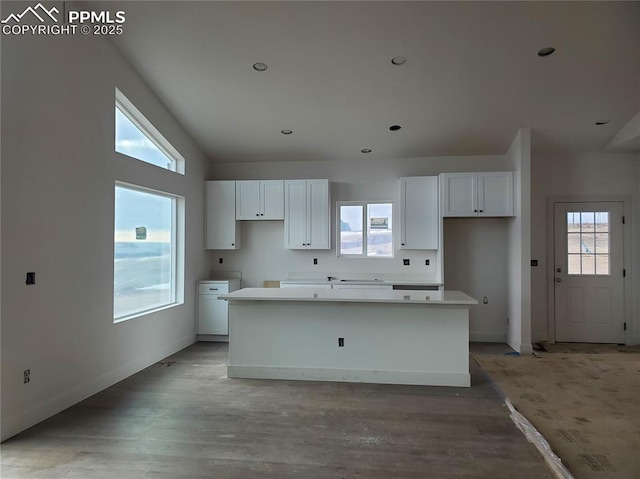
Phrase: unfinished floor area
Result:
[583,398]
[183,418]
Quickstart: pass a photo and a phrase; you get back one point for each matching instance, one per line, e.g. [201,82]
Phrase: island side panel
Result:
[383,343]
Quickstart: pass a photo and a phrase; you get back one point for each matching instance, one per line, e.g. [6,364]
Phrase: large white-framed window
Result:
[136,137]
[365,229]
[148,251]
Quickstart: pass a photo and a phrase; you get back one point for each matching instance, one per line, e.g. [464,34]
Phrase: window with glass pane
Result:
[588,243]
[131,141]
[366,230]
[144,251]
[136,137]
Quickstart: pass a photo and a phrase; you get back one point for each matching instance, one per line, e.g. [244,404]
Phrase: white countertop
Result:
[350,295]
[361,281]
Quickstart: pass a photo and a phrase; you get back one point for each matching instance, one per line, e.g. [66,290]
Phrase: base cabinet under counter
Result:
[213,313]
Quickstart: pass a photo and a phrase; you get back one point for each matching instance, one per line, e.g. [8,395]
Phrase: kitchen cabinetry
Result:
[213,313]
[477,194]
[260,200]
[307,215]
[222,231]
[419,224]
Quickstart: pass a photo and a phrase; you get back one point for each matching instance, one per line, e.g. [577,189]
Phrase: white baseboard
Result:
[352,375]
[487,337]
[12,425]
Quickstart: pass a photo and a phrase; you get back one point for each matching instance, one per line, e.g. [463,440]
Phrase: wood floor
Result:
[185,419]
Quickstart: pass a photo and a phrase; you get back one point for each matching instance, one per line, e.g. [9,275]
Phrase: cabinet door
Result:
[222,231]
[247,200]
[459,194]
[213,315]
[419,228]
[272,200]
[295,217]
[495,194]
[318,215]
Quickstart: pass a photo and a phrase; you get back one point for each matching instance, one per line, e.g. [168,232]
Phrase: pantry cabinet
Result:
[222,231]
[307,215]
[260,200]
[477,194]
[419,218]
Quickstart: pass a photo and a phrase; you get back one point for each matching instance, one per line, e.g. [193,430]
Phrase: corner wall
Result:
[519,249]
[58,173]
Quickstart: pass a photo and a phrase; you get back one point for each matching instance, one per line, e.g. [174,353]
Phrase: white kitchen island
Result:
[390,336]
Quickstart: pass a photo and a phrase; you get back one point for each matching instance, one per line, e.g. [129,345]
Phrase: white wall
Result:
[583,175]
[58,174]
[475,262]
[519,246]
[262,256]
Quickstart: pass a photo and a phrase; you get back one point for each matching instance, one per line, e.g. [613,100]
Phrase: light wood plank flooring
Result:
[186,419]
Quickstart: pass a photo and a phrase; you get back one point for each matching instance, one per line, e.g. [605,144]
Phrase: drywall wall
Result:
[58,173]
[583,176]
[475,262]
[519,246]
[262,256]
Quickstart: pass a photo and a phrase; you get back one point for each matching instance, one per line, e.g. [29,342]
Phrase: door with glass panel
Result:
[588,272]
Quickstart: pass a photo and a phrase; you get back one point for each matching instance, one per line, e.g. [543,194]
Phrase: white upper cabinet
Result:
[260,200]
[419,223]
[307,216]
[477,194]
[222,231]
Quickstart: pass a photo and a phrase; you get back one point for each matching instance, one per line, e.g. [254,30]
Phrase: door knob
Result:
[558,280]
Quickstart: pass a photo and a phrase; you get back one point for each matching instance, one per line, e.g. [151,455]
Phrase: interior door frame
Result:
[626,258]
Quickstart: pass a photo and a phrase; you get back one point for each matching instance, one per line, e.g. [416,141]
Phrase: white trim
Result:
[351,375]
[626,261]
[177,250]
[364,205]
[488,337]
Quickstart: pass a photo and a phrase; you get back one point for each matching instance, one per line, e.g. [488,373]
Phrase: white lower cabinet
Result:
[213,313]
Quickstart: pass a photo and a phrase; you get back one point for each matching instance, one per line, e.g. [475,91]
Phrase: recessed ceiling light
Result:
[395,127]
[366,150]
[286,132]
[602,122]
[398,60]
[260,67]
[545,52]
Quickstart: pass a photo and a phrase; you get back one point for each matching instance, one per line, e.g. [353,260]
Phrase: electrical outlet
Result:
[31,278]
[426,262]
[485,300]
[26,376]
[220,260]
[315,260]
[534,262]
[341,342]
[405,262]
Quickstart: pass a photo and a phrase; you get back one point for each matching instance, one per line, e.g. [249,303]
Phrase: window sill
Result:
[146,312]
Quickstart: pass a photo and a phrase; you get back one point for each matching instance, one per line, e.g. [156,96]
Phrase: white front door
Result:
[588,272]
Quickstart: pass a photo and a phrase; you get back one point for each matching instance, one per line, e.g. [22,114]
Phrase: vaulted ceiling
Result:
[471,79]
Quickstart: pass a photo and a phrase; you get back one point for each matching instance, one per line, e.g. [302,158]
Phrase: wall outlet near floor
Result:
[315,260]
[26,376]
[220,260]
[31,278]
[426,262]
[405,262]
[341,342]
